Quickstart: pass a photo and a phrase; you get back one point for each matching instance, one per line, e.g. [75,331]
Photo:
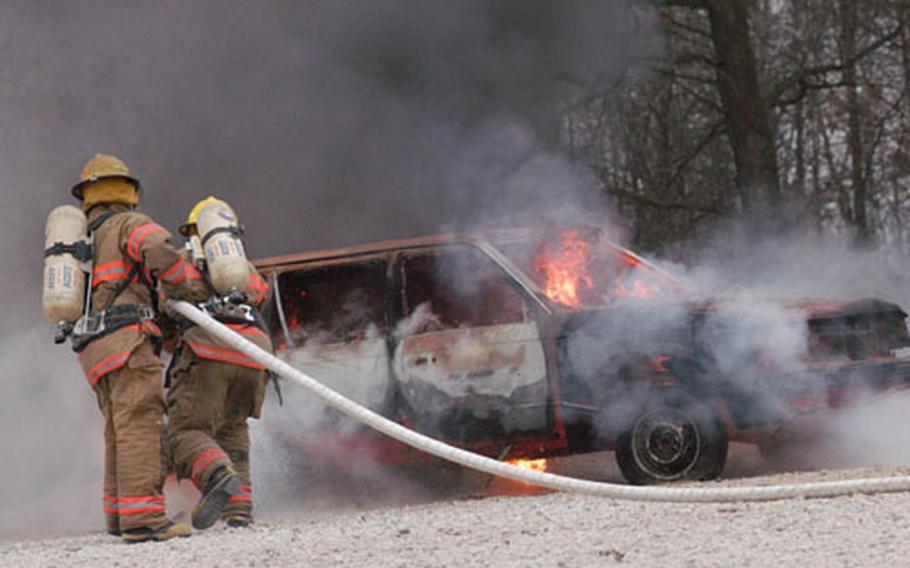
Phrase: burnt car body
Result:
[458,336]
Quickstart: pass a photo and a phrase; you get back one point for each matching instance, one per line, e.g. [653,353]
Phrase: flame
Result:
[638,289]
[565,271]
[535,465]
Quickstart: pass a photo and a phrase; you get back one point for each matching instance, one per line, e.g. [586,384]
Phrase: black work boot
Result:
[238,520]
[166,532]
[223,485]
[113,525]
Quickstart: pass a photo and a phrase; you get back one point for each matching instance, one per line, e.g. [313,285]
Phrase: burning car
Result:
[525,348]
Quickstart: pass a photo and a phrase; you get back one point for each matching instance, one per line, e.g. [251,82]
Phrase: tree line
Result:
[789,114]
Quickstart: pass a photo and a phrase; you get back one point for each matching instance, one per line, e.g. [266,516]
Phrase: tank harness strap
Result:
[172,364]
[81,250]
[135,270]
[108,321]
[236,231]
[275,378]
[96,224]
[111,317]
[121,286]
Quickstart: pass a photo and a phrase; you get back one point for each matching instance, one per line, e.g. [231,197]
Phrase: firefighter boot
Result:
[224,484]
[238,520]
[166,532]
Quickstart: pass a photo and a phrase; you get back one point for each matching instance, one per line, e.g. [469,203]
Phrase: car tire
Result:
[672,439]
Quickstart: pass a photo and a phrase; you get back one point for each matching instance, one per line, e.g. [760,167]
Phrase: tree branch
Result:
[675,205]
[716,130]
[697,4]
[801,78]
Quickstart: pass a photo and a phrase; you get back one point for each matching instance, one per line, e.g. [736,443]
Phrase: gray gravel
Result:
[379,520]
[533,530]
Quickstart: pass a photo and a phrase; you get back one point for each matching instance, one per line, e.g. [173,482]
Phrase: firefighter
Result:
[117,343]
[214,389]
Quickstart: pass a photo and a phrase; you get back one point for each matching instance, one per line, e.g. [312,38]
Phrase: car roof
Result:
[491,236]
[478,238]
[369,248]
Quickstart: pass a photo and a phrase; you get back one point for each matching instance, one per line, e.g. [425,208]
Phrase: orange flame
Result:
[536,465]
[565,271]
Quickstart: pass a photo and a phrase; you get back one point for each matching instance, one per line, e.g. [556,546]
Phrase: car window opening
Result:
[334,304]
[458,287]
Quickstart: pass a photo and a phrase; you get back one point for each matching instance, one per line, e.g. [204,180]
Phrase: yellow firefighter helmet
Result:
[190,226]
[104,166]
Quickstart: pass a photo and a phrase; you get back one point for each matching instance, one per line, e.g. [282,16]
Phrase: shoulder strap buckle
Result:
[81,250]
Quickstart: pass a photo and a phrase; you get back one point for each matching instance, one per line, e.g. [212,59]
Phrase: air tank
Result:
[63,295]
[225,258]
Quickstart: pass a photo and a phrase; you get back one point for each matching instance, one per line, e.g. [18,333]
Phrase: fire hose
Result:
[539,478]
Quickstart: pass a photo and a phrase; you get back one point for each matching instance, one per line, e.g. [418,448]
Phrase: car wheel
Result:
[671,441]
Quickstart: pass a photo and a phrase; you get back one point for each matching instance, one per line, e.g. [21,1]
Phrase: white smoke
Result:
[760,276]
[324,124]
[52,441]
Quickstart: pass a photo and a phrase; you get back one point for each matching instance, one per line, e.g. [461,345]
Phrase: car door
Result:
[468,359]
[330,321]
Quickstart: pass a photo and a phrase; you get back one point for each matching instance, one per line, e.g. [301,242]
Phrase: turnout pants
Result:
[208,405]
[132,402]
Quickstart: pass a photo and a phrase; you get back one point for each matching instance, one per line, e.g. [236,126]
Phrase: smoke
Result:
[51,443]
[322,123]
[756,272]
[764,279]
[874,432]
[351,122]
[792,267]
[742,334]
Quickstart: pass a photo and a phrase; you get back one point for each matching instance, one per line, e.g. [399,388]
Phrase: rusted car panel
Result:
[494,374]
[515,346]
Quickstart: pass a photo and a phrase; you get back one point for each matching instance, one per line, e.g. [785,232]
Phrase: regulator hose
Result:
[539,478]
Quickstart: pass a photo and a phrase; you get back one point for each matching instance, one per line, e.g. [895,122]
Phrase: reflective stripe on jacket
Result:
[216,350]
[122,242]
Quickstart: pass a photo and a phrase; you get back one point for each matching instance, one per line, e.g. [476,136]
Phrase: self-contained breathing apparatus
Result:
[218,240]
[232,308]
[67,258]
[68,282]
[214,243]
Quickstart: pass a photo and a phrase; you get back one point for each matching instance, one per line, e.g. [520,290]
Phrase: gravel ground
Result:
[370,517]
[510,525]
[541,530]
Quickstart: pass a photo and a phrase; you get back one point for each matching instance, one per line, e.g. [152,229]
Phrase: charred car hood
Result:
[836,329]
[812,310]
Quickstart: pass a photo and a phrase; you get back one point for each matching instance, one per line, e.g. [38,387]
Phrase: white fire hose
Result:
[539,478]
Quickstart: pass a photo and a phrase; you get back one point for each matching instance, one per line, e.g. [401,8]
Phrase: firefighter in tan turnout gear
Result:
[117,341]
[214,389]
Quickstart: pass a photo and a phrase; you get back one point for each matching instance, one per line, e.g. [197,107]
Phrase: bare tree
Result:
[749,128]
